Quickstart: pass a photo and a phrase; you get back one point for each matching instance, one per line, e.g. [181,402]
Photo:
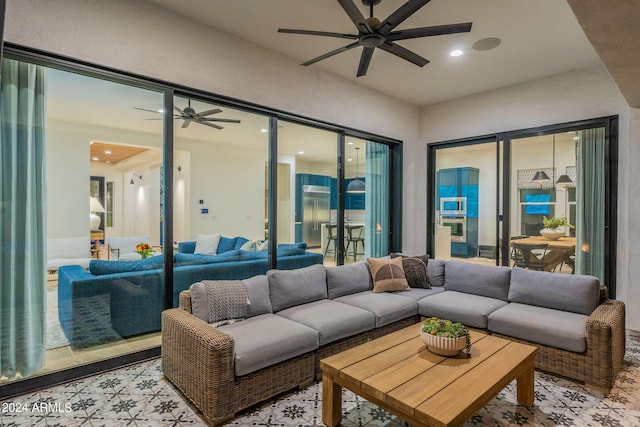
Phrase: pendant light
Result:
[541,176]
[356,185]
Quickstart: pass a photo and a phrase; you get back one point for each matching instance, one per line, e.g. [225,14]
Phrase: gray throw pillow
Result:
[435,272]
[259,301]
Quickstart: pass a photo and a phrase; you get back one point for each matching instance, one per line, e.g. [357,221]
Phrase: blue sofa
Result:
[117,299]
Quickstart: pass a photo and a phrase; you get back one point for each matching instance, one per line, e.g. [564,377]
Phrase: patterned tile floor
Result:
[139,396]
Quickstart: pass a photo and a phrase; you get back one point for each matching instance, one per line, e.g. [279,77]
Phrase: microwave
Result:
[453,206]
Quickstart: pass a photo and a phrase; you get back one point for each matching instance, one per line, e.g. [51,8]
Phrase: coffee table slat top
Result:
[399,372]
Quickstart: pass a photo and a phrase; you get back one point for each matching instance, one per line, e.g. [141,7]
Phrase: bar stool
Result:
[354,238]
[331,237]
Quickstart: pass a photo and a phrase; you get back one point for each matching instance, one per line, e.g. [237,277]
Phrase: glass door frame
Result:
[504,139]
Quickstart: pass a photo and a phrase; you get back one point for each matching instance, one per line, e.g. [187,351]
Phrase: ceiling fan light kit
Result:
[373,33]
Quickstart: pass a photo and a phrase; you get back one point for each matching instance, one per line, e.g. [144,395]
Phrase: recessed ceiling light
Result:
[349,159]
[456,52]
[95,159]
[264,130]
[108,161]
[107,151]
[350,143]
[161,111]
[300,152]
[576,138]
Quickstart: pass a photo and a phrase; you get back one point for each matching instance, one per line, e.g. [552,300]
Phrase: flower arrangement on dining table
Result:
[144,249]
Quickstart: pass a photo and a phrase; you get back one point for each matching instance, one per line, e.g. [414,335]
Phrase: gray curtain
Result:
[22,219]
[377,200]
[590,203]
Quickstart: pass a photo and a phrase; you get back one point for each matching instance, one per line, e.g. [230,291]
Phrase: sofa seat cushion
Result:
[485,280]
[331,319]
[417,293]
[468,309]
[387,308]
[268,339]
[555,328]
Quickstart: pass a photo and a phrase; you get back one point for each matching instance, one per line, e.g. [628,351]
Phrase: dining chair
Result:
[354,235]
[331,238]
[524,256]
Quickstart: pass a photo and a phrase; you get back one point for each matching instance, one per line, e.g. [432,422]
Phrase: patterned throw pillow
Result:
[388,274]
[415,268]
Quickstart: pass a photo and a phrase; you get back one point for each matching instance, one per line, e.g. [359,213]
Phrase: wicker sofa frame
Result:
[199,359]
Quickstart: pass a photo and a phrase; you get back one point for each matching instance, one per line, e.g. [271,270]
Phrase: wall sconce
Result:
[179,168]
[564,180]
[132,182]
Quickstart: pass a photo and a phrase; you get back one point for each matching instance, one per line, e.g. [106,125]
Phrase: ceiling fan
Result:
[375,34]
[189,115]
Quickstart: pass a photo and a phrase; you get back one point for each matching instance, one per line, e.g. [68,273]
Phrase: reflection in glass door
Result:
[465,203]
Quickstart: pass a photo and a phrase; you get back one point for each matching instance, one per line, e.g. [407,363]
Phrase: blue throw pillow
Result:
[226,244]
[100,267]
[239,242]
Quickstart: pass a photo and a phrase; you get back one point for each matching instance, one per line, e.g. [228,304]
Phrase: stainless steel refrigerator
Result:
[315,204]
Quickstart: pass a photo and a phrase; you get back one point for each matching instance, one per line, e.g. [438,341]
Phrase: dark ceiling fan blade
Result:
[218,120]
[404,53]
[354,13]
[186,123]
[210,125]
[209,112]
[365,60]
[329,54]
[318,33]
[178,110]
[145,109]
[437,30]
[398,17]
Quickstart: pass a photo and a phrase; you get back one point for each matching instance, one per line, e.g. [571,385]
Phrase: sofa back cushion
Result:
[100,267]
[195,259]
[227,244]
[568,292]
[435,272]
[259,301]
[484,280]
[348,279]
[288,288]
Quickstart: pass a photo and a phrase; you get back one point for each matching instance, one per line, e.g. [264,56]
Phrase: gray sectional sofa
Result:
[295,318]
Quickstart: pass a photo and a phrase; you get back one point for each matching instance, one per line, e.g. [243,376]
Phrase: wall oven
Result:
[453,206]
[458,226]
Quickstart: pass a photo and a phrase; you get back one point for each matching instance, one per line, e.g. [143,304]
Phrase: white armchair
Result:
[68,251]
[124,248]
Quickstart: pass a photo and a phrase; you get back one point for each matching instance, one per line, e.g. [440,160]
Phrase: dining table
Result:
[559,251]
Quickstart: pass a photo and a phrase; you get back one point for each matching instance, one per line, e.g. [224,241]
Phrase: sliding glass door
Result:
[465,203]
[551,211]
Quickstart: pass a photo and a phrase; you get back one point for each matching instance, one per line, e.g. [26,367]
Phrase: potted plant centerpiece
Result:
[554,228]
[444,337]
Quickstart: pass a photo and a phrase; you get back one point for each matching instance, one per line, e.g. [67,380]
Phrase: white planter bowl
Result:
[443,346]
[552,234]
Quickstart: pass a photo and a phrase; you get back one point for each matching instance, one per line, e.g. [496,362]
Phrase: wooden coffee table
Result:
[399,374]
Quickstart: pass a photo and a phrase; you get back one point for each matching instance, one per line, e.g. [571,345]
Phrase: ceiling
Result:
[539,38]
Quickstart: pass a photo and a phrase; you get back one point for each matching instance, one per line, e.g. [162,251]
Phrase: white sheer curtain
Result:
[22,219]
